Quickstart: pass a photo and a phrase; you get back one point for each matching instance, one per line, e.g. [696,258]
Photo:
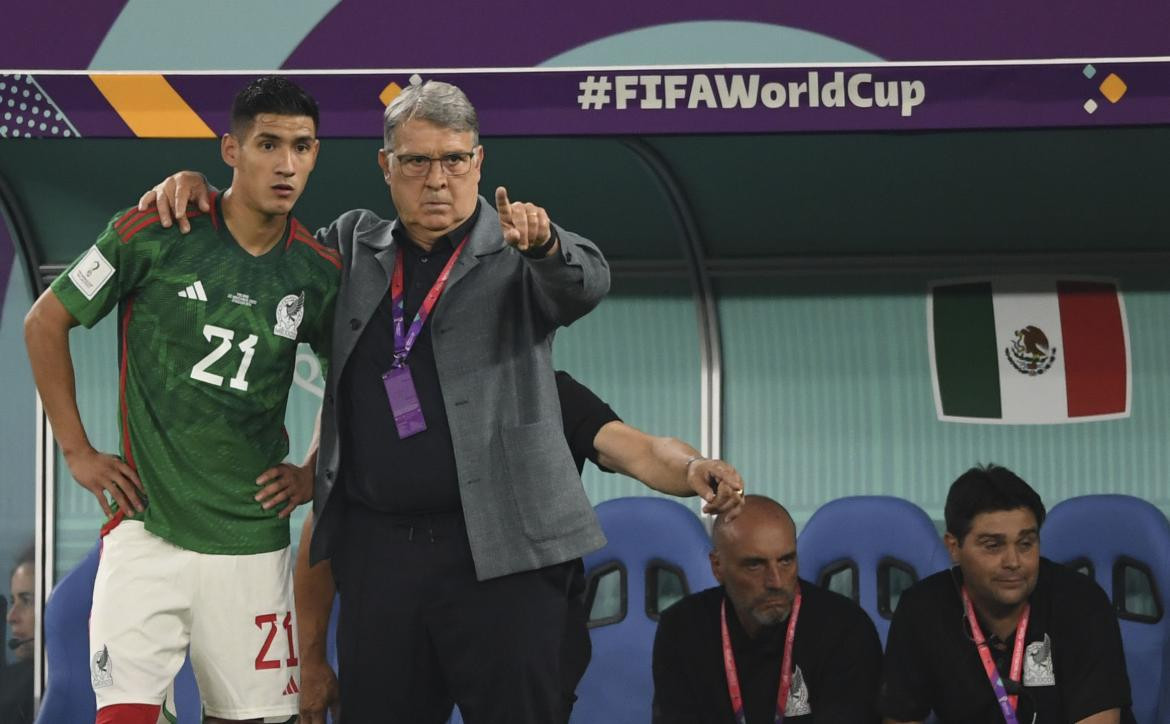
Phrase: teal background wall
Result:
[828,393]
[639,351]
[17,431]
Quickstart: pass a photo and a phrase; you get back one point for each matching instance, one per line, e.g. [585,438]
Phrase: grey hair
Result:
[435,101]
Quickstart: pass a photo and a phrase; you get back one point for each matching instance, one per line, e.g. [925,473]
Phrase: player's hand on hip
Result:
[100,474]
[285,483]
[319,692]
[524,226]
[171,197]
[719,484]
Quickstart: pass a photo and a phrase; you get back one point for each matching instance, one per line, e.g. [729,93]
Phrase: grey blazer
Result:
[492,333]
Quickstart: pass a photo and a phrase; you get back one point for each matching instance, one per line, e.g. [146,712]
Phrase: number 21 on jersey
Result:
[225,336]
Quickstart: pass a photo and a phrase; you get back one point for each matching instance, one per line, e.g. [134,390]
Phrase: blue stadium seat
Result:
[870,548]
[656,554]
[68,695]
[1124,544]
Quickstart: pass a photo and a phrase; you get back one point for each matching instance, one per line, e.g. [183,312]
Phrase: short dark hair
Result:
[988,489]
[271,94]
[27,555]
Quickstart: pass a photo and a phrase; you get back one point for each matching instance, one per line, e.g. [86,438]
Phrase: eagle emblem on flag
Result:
[1030,353]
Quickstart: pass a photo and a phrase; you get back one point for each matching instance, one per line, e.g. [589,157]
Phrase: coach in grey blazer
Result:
[492,332]
[457,560]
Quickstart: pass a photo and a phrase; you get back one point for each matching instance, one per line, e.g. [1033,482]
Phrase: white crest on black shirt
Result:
[1038,668]
[797,704]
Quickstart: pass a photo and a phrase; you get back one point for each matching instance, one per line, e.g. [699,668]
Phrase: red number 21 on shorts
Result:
[262,660]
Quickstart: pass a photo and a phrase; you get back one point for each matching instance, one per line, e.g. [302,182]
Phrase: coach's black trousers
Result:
[418,633]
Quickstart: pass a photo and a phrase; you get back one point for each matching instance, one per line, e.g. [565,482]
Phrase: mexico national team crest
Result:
[798,703]
[101,670]
[1030,353]
[1038,668]
[289,313]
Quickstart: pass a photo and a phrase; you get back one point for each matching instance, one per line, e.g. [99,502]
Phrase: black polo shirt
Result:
[1074,664]
[383,471]
[836,649]
[583,414]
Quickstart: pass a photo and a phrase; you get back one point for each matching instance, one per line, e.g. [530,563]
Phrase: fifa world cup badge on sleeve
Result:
[289,313]
[91,273]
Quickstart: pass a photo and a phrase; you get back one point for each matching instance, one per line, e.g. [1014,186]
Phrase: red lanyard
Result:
[989,665]
[404,341]
[785,665]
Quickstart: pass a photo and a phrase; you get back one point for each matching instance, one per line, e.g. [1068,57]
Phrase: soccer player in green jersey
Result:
[209,325]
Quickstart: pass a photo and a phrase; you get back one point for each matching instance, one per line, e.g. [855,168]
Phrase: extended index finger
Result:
[503,206]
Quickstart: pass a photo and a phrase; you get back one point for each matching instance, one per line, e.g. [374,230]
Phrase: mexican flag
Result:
[1028,350]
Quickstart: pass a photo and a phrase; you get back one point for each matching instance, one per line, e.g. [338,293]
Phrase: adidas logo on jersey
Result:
[195,291]
[292,687]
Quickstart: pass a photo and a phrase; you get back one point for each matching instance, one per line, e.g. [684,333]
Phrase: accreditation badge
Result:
[404,404]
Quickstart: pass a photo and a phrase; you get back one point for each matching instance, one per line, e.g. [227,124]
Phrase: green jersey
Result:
[207,344]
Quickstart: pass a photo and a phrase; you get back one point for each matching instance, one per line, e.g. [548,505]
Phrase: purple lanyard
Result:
[404,342]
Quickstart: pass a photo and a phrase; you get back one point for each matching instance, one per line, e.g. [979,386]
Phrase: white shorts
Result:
[152,600]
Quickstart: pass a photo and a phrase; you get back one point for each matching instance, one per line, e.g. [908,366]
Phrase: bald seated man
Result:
[764,644]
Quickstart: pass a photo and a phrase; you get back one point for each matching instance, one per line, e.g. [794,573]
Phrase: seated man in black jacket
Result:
[765,645]
[1005,635]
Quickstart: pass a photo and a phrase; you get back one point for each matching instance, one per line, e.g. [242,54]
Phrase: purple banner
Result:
[767,99]
[68,34]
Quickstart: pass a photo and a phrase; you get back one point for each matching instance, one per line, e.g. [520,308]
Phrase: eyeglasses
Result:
[413,165]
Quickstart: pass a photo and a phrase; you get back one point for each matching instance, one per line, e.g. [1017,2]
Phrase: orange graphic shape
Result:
[1113,88]
[389,93]
[151,107]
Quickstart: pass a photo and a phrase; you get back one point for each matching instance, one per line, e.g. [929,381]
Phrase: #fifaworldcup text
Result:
[736,91]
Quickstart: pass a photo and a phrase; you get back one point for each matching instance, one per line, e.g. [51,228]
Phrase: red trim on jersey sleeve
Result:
[138,225]
[299,233]
[127,453]
[145,220]
[128,218]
